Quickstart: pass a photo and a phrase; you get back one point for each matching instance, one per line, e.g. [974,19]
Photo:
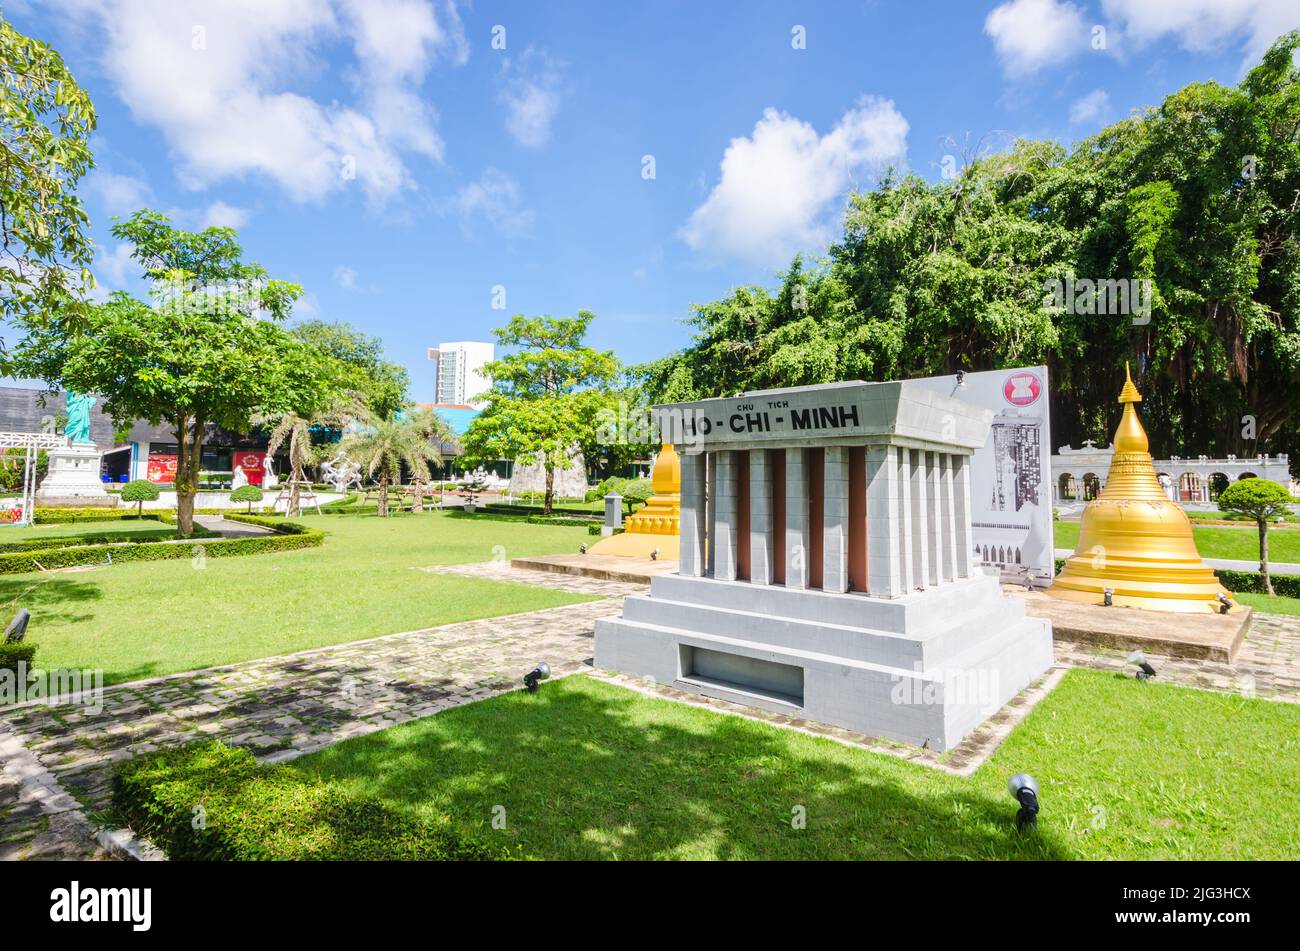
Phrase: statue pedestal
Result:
[73,479]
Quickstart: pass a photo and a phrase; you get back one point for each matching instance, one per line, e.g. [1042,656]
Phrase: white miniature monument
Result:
[826,566]
[73,475]
[341,472]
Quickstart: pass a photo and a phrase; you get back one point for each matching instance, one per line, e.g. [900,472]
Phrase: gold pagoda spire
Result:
[1133,539]
[658,523]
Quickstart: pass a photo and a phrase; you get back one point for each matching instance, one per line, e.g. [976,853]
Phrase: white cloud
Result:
[1090,108]
[219,81]
[494,198]
[120,194]
[346,277]
[221,215]
[1031,34]
[531,90]
[1206,25]
[778,185]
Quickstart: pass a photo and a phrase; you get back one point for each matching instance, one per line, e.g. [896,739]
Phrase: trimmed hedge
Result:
[289,537]
[505,508]
[13,654]
[208,801]
[56,516]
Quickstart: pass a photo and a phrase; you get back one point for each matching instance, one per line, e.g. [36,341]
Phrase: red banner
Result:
[252,462]
[162,468]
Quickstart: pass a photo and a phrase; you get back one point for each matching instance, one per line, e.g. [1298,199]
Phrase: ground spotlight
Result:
[1145,670]
[654,555]
[1109,596]
[1224,604]
[961,377]
[536,676]
[1025,791]
[582,549]
[17,628]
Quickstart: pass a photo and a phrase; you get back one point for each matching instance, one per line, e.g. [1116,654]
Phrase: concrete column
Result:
[725,507]
[920,520]
[761,528]
[947,518]
[934,516]
[962,513]
[796,520]
[835,537]
[710,494]
[906,541]
[693,521]
[884,571]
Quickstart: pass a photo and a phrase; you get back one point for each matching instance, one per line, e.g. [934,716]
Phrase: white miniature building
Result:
[826,566]
[1080,474]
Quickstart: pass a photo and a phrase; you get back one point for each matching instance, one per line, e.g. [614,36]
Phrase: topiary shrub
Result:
[268,813]
[247,493]
[1263,501]
[11,655]
[140,491]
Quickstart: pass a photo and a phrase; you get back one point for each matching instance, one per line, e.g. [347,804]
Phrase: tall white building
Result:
[460,370]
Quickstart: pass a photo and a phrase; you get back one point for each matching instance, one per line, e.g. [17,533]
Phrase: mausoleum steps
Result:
[864,640]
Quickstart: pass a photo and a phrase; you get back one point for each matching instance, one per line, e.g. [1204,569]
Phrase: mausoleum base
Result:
[925,668]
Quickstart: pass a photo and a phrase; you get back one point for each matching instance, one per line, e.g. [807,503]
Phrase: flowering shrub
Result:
[10,515]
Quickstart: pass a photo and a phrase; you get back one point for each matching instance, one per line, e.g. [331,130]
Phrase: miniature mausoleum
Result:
[826,566]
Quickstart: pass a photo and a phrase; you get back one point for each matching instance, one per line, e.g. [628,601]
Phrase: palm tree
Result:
[386,445]
[437,432]
[296,430]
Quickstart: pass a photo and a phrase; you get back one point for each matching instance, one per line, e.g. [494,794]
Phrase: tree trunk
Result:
[189,454]
[383,495]
[1263,556]
[295,476]
[550,488]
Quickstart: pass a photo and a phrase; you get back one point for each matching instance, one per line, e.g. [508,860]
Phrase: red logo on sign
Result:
[1022,389]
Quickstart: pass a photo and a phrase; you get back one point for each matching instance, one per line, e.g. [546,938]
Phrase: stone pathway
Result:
[282,707]
[227,529]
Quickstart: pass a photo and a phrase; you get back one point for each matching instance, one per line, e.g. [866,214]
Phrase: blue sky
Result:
[385,155]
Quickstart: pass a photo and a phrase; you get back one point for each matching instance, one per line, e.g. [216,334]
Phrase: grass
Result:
[587,770]
[1269,603]
[61,532]
[1216,541]
[145,619]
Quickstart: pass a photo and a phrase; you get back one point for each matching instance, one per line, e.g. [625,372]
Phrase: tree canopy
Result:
[45,124]
[361,367]
[547,392]
[1197,196]
[208,348]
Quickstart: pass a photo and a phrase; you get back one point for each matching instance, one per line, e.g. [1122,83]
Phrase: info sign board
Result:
[1010,489]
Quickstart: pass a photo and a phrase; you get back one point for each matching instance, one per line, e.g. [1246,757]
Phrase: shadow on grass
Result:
[587,771]
[53,598]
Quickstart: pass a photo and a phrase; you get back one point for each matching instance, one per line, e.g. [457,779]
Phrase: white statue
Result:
[240,480]
[341,472]
[270,480]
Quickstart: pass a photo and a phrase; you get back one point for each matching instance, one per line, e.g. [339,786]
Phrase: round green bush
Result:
[140,491]
[247,493]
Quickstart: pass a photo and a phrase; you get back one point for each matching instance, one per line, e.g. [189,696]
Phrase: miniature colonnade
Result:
[826,566]
[875,518]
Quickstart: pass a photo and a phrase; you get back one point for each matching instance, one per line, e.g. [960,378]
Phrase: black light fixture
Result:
[1224,604]
[535,676]
[1109,597]
[1025,791]
[582,549]
[961,377]
[654,555]
[1144,669]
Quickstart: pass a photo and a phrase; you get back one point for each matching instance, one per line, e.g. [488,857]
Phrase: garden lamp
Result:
[1025,791]
[536,676]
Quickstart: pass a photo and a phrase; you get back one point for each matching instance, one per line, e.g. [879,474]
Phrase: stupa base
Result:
[639,545]
[1197,591]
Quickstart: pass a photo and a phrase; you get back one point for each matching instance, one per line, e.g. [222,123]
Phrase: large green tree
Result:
[545,396]
[361,364]
[208,348]
[45,124]
[1194,199]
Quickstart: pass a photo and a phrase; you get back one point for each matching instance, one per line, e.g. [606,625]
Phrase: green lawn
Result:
[143,619]
[587,770]
[1216,541]
[60,532]
[1269,604]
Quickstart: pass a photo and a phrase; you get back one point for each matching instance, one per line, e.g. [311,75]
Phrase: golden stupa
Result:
[1134,540]
[656,524]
